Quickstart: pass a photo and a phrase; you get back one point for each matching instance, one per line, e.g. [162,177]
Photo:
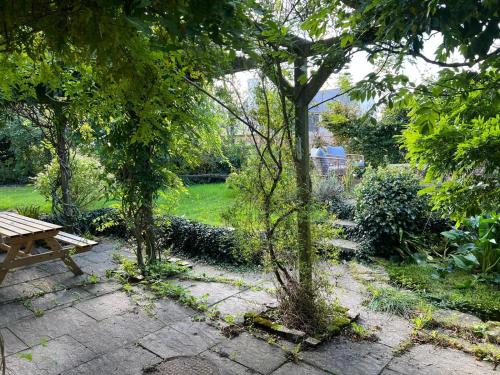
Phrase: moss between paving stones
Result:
[456,290]
[339,321]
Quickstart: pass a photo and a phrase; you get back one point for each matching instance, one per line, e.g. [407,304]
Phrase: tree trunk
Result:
[149,235]
[303,176]
[63,158]
[138,241]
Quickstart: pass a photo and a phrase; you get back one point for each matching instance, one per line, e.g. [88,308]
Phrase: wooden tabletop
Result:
[13,225]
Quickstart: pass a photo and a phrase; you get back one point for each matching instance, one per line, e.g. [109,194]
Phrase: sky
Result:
[360,67]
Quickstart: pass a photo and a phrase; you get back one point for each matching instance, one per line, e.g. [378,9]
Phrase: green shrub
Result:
[388,208]
[103,221]
[330,191]
[87,184]
[201,240]
[21,155]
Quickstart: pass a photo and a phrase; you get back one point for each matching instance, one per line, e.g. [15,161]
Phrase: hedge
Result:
[203,241]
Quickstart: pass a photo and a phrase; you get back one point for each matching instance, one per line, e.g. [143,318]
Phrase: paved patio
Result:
[56,323]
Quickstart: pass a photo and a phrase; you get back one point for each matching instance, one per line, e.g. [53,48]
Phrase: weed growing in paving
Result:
[403,347]
[160,270]
[127,288]
[92,279]
[293,354]
[360,332]
[168,289]
[39,313]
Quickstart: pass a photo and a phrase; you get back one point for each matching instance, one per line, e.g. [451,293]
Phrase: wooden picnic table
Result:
[17,238]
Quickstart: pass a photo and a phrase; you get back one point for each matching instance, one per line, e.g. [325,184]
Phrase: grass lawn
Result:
[19,196]
[204,203]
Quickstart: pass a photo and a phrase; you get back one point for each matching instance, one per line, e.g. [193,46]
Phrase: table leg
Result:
[28,248]
[5,265]
[56,247]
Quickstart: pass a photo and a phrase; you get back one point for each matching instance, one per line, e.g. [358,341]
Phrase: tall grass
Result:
[394,301]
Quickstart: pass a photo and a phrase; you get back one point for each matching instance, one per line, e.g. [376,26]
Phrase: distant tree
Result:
[378,140]
[51,96]
[21,151]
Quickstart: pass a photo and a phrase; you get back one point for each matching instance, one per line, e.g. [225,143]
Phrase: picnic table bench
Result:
[17,238]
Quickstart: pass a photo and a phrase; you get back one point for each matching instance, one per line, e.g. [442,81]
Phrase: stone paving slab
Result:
[429,360]
[345,223]
[99,269]
[252,352]
[345,245]
[342,277]
[23,275]
[450,317]
[18,292]
[53,267]
[63,297]
[391,330]
[103,287]
[237,307]
[50,284]
[12,343]
[124,361]
[225,366]
[116,331]
[103,253]
[12,312]
[258,296]
[345,357]
[200,268]
[348,298]
[60,281]
[52,324]
[299,369]
[214,292]
[183,338]
[170,312]
[207,332]
[106,306]
[51,358]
